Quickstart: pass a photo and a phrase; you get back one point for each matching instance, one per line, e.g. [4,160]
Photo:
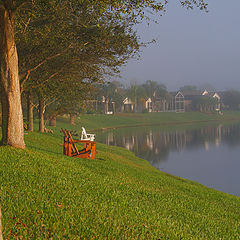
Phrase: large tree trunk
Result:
[30,106]
[12,118]
[41,115]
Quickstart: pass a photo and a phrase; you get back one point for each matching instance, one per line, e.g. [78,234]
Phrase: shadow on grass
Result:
[43,149]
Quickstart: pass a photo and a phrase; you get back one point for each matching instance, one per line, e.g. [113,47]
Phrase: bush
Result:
[90,111]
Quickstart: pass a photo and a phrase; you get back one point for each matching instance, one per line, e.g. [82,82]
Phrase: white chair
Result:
[85,136]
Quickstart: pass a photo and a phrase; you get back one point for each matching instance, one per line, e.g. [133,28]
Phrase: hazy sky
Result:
[193,47]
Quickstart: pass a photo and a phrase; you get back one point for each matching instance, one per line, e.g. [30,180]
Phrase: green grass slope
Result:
[96,121]
[46,195]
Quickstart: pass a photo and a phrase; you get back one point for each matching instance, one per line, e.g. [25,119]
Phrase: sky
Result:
[193,48]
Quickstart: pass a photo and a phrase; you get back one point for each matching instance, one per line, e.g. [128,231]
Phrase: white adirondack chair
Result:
[85,136]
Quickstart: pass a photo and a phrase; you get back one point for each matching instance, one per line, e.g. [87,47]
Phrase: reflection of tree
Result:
[231,135]
[155,145]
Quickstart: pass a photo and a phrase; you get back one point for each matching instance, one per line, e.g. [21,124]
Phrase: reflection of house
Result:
[128,142]
[150,140]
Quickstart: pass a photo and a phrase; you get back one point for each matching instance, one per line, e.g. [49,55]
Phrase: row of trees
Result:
[52,49]
[82,53]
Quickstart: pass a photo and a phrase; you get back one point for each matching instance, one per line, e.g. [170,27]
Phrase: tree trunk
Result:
[12,117]
[53,121]
[41,115]
[72,118]
[30,106]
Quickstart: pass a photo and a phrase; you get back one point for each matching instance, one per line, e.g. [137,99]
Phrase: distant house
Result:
[190,97]
[164,104]
[128,105]
[179,102]
[182,101]
[174,102]
[103,105]
[217,96]
[109,105]
[161,105]
[142,105]
[197,100]
[148,105]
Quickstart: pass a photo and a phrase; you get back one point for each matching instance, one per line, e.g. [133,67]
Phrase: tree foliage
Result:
[231,98]
[52,37]
[205,103]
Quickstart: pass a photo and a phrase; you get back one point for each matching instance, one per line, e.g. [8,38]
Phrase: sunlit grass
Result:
[46,195]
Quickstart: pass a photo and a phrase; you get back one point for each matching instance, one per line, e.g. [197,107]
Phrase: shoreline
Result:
[98,122]
[167,124]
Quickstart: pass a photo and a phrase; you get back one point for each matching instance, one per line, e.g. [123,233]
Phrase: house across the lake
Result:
[179,101]
[198,101]
[182,101]
[128,105]
[140,106]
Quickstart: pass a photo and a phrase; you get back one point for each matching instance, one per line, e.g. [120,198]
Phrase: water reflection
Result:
[157,144]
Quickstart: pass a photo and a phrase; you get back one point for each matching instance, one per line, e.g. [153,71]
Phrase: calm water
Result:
[208,154]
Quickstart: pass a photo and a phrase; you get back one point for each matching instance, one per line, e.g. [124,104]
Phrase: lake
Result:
[207,153]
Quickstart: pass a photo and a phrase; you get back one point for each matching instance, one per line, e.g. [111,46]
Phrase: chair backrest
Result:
[71,140]
[84,133]
[85,136]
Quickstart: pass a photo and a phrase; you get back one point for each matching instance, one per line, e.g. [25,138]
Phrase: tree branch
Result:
[50,77]
[49,58]
[26,25]
[24,80]
[39,65]
[20,4]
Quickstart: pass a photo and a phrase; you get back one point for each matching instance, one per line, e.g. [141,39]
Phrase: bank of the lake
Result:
[101,121]
[45,195]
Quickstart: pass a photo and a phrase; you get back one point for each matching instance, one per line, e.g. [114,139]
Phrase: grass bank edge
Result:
[96,122]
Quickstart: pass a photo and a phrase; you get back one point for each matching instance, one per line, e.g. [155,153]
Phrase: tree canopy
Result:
[59,39]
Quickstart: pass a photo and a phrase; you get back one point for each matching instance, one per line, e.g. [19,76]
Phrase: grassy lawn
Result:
[96,121]
[46,195]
